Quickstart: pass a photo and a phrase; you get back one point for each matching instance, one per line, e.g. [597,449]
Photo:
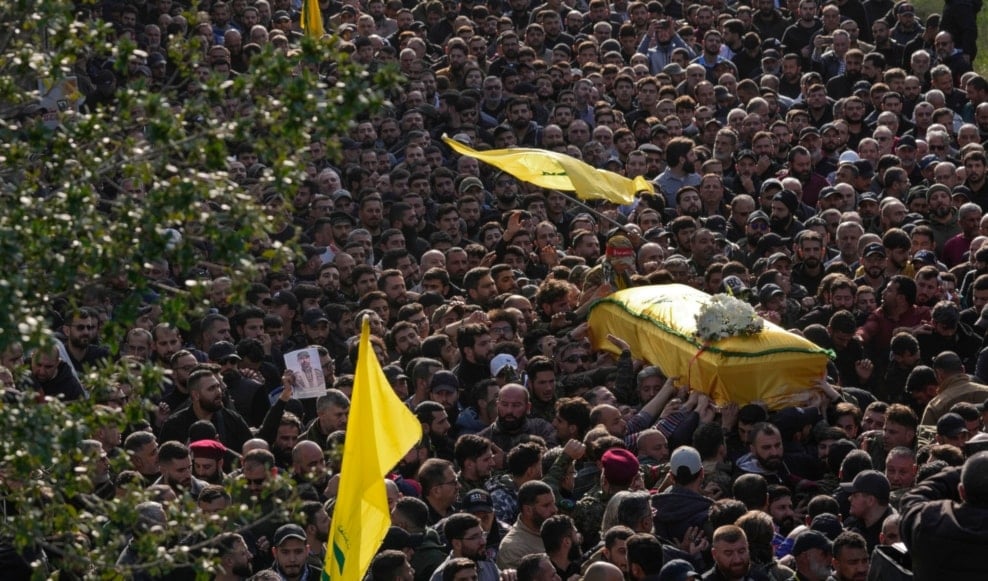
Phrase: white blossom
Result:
[725,316]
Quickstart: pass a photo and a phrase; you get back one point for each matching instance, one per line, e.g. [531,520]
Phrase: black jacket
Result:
[678,509]
[64,385]
[946,537]
[232,430]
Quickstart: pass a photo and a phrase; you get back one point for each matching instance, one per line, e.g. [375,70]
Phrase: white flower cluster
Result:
[725,316]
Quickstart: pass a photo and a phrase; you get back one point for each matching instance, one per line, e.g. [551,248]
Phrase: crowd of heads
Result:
[823,161]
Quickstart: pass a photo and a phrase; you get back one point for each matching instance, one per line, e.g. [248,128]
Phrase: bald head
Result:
[306,457]
[513,391]
[254,444]
[603,571]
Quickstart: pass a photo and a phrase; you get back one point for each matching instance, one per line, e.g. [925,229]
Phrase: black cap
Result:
[951,425]
[444,381]
[768,241]
[770,183]
[394,373]
[223,350]
[717,223]
[807,131]
[769,292]
[874,248]
[478,500]
[927,161]
[907,141]
[741,154]
[925,257]
[864,168]
[870,482]
[867,197]
[777,256]
[811,539]
[828,524]
[962,191]
[758,215]
[339,217]
[286,532]
[861,86]
[431,299]
[286,298]
[313,317]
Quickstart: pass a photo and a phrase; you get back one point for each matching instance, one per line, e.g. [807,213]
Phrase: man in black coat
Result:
[944,522]
[206,403]
[52,376]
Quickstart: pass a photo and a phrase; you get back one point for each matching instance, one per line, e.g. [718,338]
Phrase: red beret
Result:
[210,449]
[620,466]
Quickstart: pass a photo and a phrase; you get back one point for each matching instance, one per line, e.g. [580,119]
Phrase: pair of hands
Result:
[694,541]
[687,400]
[516,223]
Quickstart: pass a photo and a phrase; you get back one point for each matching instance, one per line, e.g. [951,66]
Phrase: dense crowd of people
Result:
[824,161]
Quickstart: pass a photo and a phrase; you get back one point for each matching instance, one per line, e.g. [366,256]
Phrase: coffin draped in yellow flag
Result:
[557,171]
[312,19]
[379,433]
[775,366]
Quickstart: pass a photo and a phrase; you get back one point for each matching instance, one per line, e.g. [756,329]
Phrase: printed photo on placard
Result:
[309,379]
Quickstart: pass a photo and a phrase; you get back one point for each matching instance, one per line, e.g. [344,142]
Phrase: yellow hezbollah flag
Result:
[775,367]
[312,19]
[380,431]
[558,171]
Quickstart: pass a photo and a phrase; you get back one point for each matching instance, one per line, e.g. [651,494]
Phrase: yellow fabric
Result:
[558,171]
[774,366]
[380,431]
[312,19]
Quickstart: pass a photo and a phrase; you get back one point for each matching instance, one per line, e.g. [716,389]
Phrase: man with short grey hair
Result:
[969,219]
[332,412]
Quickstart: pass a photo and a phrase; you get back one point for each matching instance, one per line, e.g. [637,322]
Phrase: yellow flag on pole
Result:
[312,19]
[381,430]
[558,171]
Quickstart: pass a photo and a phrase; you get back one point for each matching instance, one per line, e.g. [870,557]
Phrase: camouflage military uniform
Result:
[588,514]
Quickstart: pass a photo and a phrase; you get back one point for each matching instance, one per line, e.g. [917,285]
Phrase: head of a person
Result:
[851,558]
[729,549]
[645,556]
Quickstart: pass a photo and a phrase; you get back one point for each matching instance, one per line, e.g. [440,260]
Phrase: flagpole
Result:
[603,217]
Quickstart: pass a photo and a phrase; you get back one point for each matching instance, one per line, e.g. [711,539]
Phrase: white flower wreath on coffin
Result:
[724,316]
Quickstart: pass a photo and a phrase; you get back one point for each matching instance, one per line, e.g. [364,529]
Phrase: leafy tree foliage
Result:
[90,200]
